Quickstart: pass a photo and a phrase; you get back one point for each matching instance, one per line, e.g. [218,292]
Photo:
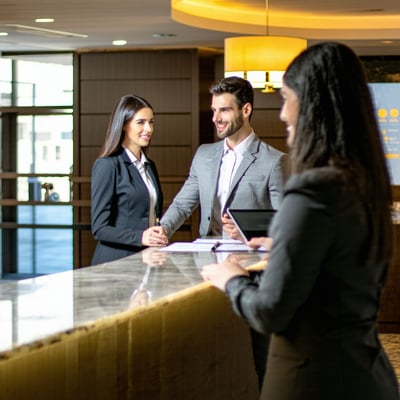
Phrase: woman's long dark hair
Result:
[125,109]
[337,126]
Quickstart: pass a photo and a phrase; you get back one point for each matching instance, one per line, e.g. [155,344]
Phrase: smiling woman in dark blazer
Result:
[126,196]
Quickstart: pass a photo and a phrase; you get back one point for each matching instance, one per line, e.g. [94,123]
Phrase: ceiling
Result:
[369,26]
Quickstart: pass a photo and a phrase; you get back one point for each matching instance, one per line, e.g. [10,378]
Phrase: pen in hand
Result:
[215,247]
[158,223]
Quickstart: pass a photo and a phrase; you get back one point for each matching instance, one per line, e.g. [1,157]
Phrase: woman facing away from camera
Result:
[331,241]
[125,189]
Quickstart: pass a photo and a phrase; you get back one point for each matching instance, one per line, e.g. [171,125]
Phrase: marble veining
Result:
[34,309]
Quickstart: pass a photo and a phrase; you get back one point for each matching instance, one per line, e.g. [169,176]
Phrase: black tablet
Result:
[252,222]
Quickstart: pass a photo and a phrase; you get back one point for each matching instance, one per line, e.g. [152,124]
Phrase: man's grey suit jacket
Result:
[256,184]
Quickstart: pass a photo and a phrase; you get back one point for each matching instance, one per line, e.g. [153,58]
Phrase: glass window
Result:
[35,133]
[40,152]
[5,82]
[44,80]
[44,250]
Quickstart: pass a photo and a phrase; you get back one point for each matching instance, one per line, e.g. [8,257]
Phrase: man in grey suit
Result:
[240,171]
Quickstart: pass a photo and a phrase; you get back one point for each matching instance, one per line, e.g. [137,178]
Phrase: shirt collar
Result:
[242,147]
[133,158]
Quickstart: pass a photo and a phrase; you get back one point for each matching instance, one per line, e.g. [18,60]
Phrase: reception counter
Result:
[143,327]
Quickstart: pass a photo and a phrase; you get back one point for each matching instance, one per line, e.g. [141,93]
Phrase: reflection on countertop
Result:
[35,309]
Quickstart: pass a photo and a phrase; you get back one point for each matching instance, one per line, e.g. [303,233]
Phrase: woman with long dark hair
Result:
[126,192]
[331,241]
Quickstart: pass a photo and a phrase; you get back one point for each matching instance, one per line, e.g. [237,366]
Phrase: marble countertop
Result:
[35,309]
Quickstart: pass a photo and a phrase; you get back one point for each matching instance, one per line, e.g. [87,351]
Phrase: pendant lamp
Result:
[262,60]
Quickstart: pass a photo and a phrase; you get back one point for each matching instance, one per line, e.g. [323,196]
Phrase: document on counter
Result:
[209,245]
[187,246]
[226,244]
[213,241]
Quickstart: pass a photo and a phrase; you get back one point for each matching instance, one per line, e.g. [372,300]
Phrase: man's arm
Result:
[184,203]
[275,186]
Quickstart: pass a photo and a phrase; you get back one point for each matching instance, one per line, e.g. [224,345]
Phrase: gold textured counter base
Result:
[391,343]
[176,348]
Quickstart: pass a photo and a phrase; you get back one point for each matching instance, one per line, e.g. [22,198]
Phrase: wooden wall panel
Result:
[166,96]
[85,213]
[93,129]
[170,189]
[265,119]
[171,161]
[87,245]
[278,143]
[147,64]
[87,157]
[169,129]
[172,129]
[266,122]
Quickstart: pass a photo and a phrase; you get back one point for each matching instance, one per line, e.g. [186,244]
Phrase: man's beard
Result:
[232,128]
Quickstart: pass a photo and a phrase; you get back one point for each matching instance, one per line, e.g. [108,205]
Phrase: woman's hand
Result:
[220,274]
[154,236]
[257,242]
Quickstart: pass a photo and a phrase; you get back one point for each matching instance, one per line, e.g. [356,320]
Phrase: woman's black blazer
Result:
[120,206]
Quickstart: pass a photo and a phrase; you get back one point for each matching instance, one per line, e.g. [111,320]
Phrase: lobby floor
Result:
[391,343]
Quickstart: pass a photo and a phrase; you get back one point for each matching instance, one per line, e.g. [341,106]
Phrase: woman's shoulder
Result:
[106,164]
[316,176]
[328,182]
[112,158]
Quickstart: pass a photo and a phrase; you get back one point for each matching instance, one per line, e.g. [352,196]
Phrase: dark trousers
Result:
[260,345]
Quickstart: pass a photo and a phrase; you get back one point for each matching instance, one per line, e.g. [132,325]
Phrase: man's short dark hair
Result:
[239,87]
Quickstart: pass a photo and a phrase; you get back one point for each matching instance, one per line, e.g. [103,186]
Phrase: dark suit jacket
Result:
[319,297]
[120,206]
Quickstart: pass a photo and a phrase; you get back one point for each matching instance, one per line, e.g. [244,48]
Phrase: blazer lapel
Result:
[214,161]
[152,176]
[248,159]
[134,174]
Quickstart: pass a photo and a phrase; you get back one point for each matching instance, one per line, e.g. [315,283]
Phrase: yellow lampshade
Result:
[259,58]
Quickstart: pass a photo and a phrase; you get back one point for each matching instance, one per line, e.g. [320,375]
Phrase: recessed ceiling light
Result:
[3,33]
[44,20]
[386,41]
[119,42]
[157,35]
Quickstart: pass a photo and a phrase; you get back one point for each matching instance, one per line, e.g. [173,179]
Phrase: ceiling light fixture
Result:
[119,42]
[44,20]
[262,60]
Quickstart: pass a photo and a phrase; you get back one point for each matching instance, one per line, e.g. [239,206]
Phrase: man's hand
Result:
[229,228]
